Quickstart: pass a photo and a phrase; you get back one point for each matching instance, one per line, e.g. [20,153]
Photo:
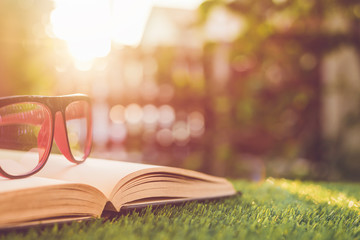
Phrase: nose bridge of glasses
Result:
[56,103]
[61,136]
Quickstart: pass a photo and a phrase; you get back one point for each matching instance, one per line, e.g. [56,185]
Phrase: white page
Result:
[100,173]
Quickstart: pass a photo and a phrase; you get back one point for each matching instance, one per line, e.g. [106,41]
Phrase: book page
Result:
[110,177]
[99,173]
[83,190]
[7,185]
[170,183]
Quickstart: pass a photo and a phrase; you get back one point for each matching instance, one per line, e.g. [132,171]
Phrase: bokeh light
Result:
[196,123]
[133,114]
[117,114]
[166,116]
[151,115]
[164,137]
[181,133]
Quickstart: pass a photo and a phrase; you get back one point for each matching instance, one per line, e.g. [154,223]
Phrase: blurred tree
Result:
[25,48]
[269,102]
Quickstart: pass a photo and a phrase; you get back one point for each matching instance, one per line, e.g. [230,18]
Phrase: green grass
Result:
[274,209]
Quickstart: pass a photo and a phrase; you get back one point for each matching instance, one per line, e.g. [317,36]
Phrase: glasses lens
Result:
[78,124]
[25,137]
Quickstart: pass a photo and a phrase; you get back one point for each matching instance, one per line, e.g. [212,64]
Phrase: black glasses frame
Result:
[53,104]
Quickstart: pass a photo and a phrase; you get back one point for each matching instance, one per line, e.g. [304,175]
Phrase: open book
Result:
[63,191]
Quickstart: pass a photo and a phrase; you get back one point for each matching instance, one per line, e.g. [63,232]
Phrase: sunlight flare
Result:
[90,27]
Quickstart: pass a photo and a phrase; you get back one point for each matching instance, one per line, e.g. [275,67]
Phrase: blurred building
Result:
[137,110]
[172,27]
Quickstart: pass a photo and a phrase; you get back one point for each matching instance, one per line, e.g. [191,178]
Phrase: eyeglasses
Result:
[28,125]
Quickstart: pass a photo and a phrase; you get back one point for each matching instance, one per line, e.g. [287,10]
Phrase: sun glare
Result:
[85,26]
[89,27]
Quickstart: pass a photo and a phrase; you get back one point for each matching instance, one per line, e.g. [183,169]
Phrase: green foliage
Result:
[25,49]
[275,81]
[274,209]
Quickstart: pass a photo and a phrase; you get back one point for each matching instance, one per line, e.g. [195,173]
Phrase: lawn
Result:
[273,209]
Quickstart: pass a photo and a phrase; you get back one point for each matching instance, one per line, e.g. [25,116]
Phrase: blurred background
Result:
[238,88]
